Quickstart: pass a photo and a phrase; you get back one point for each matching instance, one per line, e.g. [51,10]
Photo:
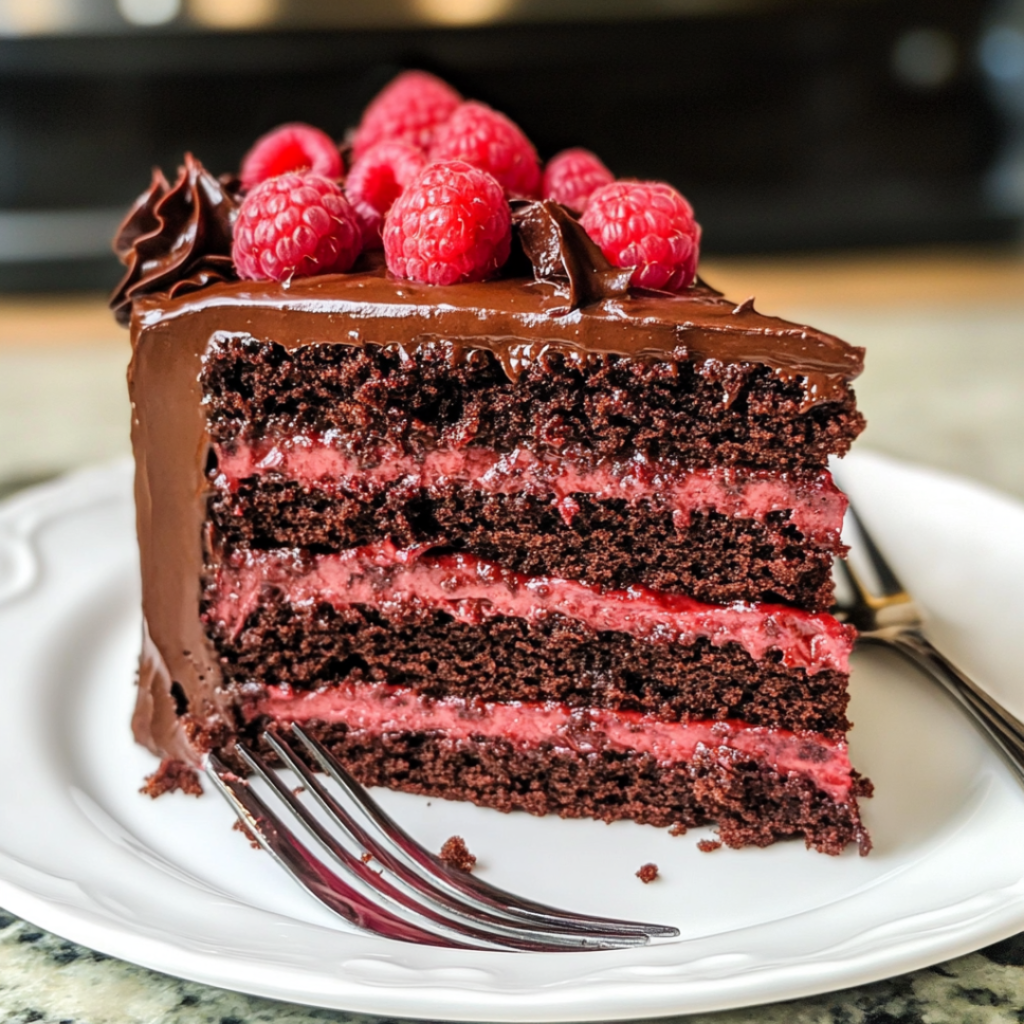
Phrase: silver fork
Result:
[414,896]
[890,618]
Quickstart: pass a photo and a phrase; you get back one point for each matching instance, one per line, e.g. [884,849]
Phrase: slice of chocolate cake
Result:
[548,541]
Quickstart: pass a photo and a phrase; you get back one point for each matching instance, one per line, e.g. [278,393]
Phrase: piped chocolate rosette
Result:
[453,459]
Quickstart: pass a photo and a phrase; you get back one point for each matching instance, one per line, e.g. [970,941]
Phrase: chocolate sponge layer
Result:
[701,414]
[752,804]
[610,544]
[509,659]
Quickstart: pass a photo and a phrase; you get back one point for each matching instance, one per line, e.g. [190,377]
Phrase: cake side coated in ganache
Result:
[240,395]
[547,541]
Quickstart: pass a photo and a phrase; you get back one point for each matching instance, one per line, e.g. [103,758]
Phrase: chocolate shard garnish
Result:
[561,251]
[176,238]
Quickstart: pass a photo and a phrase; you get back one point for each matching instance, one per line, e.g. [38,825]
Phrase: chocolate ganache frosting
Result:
[175,238]
[520,320]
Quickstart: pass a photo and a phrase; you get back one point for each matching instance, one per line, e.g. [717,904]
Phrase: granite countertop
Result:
[44,978]
[944,386]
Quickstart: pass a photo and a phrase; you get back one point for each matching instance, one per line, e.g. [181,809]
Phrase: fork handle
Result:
[1005,730]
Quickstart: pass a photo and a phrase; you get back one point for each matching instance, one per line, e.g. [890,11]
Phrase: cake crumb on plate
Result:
[172,775]
[648,873]
[455,854]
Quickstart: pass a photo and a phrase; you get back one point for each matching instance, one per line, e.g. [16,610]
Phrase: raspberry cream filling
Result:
[393,580]
[378,709]
[815,504]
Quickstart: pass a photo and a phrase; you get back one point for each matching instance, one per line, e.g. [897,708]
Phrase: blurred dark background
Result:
[789,125]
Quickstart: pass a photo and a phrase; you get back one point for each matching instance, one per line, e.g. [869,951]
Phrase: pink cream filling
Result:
[816,504]
[379,709]
[471,590]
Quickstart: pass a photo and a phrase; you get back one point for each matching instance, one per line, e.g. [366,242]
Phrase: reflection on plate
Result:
[170,885]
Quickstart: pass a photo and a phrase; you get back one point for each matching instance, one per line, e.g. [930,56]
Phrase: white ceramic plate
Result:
[168,884]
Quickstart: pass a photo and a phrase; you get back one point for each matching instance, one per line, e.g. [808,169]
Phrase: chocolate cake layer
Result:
[751,804]
[609,544]
[509,659]
[701,414]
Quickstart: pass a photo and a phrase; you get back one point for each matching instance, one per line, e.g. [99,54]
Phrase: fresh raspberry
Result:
[295,225]
[408,109]
[489,140]
[647,225]
[451,224]
[291,147]
[571,176]
[376,180]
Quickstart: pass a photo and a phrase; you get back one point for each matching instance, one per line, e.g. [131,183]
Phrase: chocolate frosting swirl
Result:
[175,239]
[564,254]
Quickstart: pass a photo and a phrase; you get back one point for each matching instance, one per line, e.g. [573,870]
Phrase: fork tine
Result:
[860,612]
[523,931]
[470,888]
[851,579]
[319,881]
[464,884]
[380,884]
[887,578]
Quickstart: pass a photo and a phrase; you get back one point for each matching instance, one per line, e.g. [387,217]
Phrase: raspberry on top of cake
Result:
[450,455]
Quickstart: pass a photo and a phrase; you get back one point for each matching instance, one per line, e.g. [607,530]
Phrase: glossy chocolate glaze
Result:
[518,319]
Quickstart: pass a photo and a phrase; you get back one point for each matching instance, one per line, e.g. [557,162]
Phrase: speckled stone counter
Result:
[46,979]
